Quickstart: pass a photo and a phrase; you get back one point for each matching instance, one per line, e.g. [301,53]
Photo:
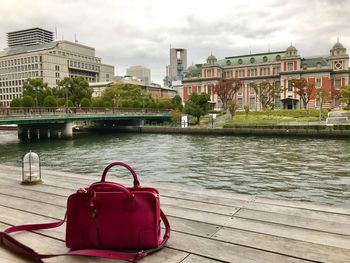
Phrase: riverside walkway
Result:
[207,226]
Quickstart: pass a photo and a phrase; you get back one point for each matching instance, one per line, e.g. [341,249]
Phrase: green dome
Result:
[211,57]
[291,48]
[338,45]
[191,68]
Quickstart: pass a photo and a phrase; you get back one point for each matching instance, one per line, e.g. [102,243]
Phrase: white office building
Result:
[52,62]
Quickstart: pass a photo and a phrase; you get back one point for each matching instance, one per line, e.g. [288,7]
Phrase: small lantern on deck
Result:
[31,170]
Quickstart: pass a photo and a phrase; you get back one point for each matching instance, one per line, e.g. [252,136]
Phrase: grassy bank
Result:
[275,117]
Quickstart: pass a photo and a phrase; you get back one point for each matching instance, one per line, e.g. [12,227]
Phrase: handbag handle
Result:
[111,185]
[104,174]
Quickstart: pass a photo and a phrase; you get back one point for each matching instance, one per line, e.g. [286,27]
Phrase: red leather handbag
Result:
[105,217]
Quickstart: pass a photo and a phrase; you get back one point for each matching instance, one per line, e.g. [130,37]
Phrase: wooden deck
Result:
[207,226]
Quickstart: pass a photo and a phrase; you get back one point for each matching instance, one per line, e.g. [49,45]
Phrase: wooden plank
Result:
[198,259]
[300,212]
[74,184]
[316,224]
[30,193]
[223,251]
[308,235]
[304,205]
[44,244]
[24,204]
[285,246]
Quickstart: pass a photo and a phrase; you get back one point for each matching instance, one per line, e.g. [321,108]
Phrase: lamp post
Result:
[36,96]
[67,89]
[114,95]
[319,94]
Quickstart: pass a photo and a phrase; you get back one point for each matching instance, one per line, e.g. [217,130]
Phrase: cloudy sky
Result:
[139,32]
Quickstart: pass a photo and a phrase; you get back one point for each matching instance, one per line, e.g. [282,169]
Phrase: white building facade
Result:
[50,61]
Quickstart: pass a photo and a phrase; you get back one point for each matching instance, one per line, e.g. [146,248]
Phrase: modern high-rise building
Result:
[52,62]
[178,63]
[328,72]
[140,72]
[29,37]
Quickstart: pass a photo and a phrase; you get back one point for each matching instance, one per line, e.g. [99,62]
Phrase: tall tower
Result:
[178,63]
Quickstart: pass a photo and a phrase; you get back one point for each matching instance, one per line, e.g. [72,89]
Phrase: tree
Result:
[98,103]
[28,101]
[164,102]
[176,102]
[50,101]
[37,89]
[345,96]
[85,102]
[233,108]
[197,105]
[226,90]
[16,102]
[246,110]
[74,89]
[127,95]
[176,116]
[304,89]
[266,93]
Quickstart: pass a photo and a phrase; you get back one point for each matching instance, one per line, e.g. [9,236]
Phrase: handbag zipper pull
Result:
[94,212]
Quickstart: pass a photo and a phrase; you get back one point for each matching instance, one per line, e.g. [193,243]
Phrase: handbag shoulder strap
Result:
[11,243]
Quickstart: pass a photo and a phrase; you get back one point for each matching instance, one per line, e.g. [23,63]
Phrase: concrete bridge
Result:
[37,123]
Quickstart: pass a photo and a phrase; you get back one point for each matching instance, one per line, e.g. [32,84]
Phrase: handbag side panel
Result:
[115,222]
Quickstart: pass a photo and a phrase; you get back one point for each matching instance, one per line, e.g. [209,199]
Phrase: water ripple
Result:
[313,170]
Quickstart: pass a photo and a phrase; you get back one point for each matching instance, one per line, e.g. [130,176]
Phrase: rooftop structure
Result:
[29,37]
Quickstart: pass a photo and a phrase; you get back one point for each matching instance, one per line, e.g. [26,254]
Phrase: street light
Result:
[36,96]
[67,89]
[319,95]
[114,95]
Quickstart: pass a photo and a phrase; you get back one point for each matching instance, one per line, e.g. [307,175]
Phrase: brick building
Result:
[331,72]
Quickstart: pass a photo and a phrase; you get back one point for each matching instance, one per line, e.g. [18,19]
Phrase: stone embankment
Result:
[287,130]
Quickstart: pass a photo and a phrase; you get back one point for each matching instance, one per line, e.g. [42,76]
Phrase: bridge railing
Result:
[44,111]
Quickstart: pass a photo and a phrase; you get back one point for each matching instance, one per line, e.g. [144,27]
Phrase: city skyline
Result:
[141,32]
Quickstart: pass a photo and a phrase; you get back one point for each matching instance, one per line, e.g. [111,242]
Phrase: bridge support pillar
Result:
[45,131]
[67,130]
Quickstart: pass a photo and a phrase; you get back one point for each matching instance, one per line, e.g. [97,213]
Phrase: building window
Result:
[337,83]
[252,103]
[240,103]
[318,82]
[290,66]
[290,85]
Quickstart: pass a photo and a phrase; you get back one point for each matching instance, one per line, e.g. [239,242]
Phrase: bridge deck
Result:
[207,226]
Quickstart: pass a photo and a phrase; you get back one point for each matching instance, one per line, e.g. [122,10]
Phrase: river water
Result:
[313,170]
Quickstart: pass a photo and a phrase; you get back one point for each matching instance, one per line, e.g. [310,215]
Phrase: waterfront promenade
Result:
[207,226]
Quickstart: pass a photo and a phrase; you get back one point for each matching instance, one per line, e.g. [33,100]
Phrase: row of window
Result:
[20,61]
[23,75]
[10,90]
[76,56]
[9,97]
[337,84]
[78,64]
[20,68]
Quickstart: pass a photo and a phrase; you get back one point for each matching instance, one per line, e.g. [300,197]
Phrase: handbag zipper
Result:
[94,217]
